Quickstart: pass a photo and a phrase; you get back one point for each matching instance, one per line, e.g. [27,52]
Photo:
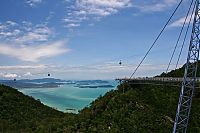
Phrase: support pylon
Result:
[188,85]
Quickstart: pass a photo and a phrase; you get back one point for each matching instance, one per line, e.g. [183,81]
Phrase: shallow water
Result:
[67,96]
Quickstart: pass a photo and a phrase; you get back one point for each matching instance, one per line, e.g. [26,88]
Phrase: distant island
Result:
[95,86]
[54,83]
[34,83]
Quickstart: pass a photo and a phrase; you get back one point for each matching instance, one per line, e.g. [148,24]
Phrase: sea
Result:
[69,97]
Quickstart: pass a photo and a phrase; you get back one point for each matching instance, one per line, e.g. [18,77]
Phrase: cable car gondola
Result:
[120,63]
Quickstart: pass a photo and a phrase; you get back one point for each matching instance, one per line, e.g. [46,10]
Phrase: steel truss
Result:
[189,79]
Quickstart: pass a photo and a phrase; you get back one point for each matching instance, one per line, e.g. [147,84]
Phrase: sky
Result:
[86,39]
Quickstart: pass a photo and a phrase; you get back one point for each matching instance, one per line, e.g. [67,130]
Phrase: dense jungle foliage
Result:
[179,72]
[20,113]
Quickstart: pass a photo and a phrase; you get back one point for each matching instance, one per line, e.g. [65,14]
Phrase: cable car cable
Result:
[179,37]
[157,38]
[185,38]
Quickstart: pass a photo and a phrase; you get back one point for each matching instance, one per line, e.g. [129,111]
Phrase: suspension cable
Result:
[157,38]
[179,37]
[185,36]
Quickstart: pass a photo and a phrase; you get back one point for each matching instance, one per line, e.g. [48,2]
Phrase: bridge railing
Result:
[164,79]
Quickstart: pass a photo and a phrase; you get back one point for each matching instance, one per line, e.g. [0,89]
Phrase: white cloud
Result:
[35,36]
[106,3]
[33,3]
[49,17]
[79,11]
[33,53]
[71,25]
[27,33]
[8,75]
[11,23]
[24,71]
[180,21]
[100,7]
[82,10]
[2,27]
[156,5]
[29,42]
[28,74]
[22,67]
[8,29]
[6,34]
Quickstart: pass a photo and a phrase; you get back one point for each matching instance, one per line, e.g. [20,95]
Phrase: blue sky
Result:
[86,39]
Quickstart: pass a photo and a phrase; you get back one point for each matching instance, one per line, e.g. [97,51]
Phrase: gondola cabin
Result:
[120,63]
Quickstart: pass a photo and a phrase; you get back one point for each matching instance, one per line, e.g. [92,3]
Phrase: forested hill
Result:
[136,109]
[179,72]
[20,113]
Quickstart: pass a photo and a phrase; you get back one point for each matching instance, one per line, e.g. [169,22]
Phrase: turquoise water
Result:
[67,96]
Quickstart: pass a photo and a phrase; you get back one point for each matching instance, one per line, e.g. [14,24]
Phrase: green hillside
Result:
[20,113]
[179,72]
[136,108]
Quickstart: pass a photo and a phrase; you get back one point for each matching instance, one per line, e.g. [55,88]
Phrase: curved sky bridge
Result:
[170,81]
[175,79]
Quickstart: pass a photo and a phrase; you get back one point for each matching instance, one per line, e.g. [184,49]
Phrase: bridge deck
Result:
[169,81]
[162,79]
